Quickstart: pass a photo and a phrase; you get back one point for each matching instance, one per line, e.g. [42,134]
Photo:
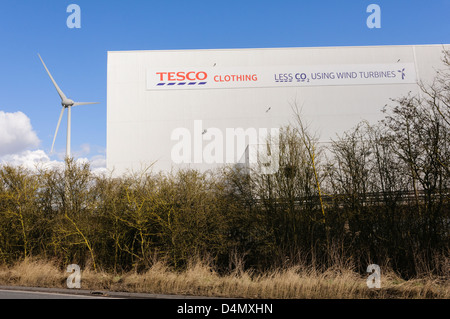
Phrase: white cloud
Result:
[31,160]
[98,161]
[97,164]
[16,133]
[17,140]
[38,159]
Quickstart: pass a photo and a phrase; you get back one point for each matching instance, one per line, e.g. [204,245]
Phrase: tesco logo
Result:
[182,76]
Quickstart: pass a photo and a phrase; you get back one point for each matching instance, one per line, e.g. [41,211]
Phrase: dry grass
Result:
[201,280]
[33,273]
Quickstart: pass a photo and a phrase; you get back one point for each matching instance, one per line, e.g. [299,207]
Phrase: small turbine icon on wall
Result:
[402,71]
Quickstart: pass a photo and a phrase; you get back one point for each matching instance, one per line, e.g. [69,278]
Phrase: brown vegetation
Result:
[199,279]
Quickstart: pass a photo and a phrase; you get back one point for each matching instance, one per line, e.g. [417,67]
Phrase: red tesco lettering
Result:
[182,76]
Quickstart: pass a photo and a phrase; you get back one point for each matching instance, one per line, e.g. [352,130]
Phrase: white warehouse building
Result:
[203,108]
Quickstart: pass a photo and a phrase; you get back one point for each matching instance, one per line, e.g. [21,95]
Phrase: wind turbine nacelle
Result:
[67,103]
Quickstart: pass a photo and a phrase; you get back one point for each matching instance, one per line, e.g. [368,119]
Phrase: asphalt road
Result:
[17,292]
[20,294]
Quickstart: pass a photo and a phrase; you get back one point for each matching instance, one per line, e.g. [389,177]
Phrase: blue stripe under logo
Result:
[180,83]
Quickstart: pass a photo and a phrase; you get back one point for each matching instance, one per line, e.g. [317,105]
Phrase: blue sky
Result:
[77,57]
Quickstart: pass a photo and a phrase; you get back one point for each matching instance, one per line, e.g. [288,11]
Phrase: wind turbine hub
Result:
[67,102]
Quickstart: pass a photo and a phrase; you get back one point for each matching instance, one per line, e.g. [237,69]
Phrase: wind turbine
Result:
[66,104]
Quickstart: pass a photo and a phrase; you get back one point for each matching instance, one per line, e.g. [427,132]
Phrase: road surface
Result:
[22,294]
[16,292]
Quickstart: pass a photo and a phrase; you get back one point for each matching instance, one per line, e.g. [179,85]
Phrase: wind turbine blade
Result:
[84,103]
[57,127]
[61,94]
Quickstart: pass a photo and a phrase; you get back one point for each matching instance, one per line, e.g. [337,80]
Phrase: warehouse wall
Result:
[144,120]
